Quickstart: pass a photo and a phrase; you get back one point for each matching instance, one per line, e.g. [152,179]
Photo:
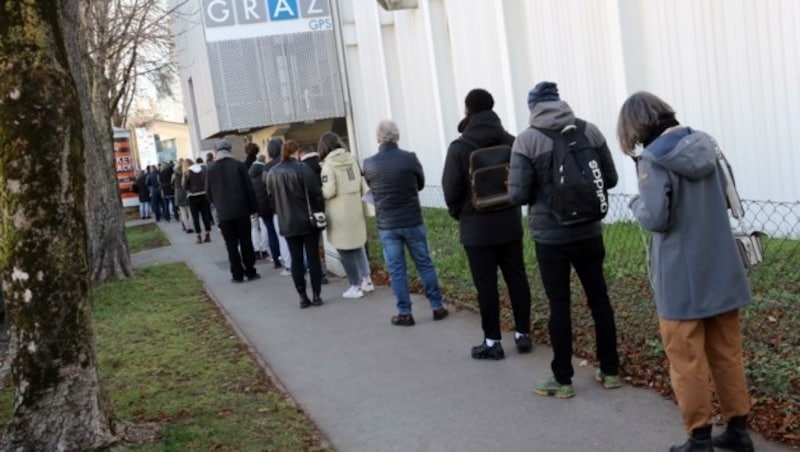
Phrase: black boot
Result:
[700,441]
[304,301]
[735,437]
[317,301]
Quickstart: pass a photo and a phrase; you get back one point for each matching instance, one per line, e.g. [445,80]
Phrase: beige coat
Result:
[341,188]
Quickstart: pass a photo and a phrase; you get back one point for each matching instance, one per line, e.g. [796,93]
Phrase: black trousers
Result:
[237,236]
[586,256]
[483,263]
[198,205]
[309,243]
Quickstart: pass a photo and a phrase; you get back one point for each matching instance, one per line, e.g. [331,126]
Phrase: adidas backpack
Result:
[578,190]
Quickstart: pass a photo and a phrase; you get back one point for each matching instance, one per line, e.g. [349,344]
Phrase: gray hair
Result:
[261,158]
[388,132]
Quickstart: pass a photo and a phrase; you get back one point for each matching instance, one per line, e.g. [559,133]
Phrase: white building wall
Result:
[193,64]
[728,67]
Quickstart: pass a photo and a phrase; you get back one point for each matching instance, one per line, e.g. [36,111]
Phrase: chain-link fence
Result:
[772,341]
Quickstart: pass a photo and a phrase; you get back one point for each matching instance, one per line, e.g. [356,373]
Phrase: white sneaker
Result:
[353,292]
[367,286]
[286,272]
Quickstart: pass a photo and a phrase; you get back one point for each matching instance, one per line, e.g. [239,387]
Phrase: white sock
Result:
[518,335]
[490,342]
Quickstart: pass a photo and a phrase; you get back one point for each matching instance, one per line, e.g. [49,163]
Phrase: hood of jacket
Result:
[196,168]
[339,158]
[684,151]
[222,154]
[257,169]
[552,115]
[483,128]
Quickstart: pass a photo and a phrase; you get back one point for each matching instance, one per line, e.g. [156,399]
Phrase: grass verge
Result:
[170,357]
[771,336]
[145,237]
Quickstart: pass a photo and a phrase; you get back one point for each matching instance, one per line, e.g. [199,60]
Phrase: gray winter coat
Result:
[695,267]
[530,178]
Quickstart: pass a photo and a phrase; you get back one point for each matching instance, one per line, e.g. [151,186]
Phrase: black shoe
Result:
[483,351]
[440,313]
[524,344]
[278,264]
[700,441]
[253,277]
[317,301]
[735,437]
[324,280]
[403,320]
[304,301]
[237,280]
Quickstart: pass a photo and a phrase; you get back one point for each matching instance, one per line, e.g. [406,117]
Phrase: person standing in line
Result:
[167,190]
[291,186]
[278,247]
[560,246]
[194,182]
[395,178]
[259,231]
[180,194]
[140,188]
[228,186]
[696,272]
[251,152]
[347,228]
[491,239]
[154,186]
[312,158]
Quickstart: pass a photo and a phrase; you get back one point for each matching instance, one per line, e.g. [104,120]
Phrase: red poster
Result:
[126,170]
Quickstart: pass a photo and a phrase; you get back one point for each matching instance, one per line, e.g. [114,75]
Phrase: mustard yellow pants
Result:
[697,350]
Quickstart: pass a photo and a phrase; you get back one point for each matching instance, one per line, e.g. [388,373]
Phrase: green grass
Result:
[170,357]
[145,237]
[772,339]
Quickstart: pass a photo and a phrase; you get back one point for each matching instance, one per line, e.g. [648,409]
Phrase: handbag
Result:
[317,219]
[748,241]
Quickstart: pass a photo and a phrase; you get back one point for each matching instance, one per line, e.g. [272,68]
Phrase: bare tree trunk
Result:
[59,403]
[108,245]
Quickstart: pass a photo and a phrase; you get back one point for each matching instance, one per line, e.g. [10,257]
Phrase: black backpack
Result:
[578,190]
[488,176]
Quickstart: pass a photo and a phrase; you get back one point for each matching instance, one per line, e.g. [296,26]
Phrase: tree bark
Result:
[59,403]
[108,244]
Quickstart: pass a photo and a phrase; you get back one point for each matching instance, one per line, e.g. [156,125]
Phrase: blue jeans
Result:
[393,241]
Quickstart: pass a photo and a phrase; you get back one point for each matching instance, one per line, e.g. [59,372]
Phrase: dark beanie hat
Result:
[478,100]
[542,92]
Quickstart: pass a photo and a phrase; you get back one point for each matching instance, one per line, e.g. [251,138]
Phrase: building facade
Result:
[729,68]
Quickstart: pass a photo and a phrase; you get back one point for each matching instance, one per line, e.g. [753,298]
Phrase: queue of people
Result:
[561,168]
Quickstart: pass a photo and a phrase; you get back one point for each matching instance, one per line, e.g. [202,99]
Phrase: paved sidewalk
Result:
[371,386]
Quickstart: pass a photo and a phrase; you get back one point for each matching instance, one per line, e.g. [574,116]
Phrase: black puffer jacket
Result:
[258,175]
[228,186]
[195,184]
[165,178]
[477,228]
[287,184]
[395,177]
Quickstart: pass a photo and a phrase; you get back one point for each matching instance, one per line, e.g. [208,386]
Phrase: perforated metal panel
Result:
[276,80]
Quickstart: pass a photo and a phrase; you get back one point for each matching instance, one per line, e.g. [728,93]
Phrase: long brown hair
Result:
[290,148]
[638,115]
[328,142]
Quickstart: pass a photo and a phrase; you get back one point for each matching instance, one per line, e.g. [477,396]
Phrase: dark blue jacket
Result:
[395,177]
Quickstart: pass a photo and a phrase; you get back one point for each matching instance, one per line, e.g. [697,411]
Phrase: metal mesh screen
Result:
[276,80]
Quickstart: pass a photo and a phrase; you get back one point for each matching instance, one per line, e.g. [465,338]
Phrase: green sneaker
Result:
[609,381]
[552,388]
